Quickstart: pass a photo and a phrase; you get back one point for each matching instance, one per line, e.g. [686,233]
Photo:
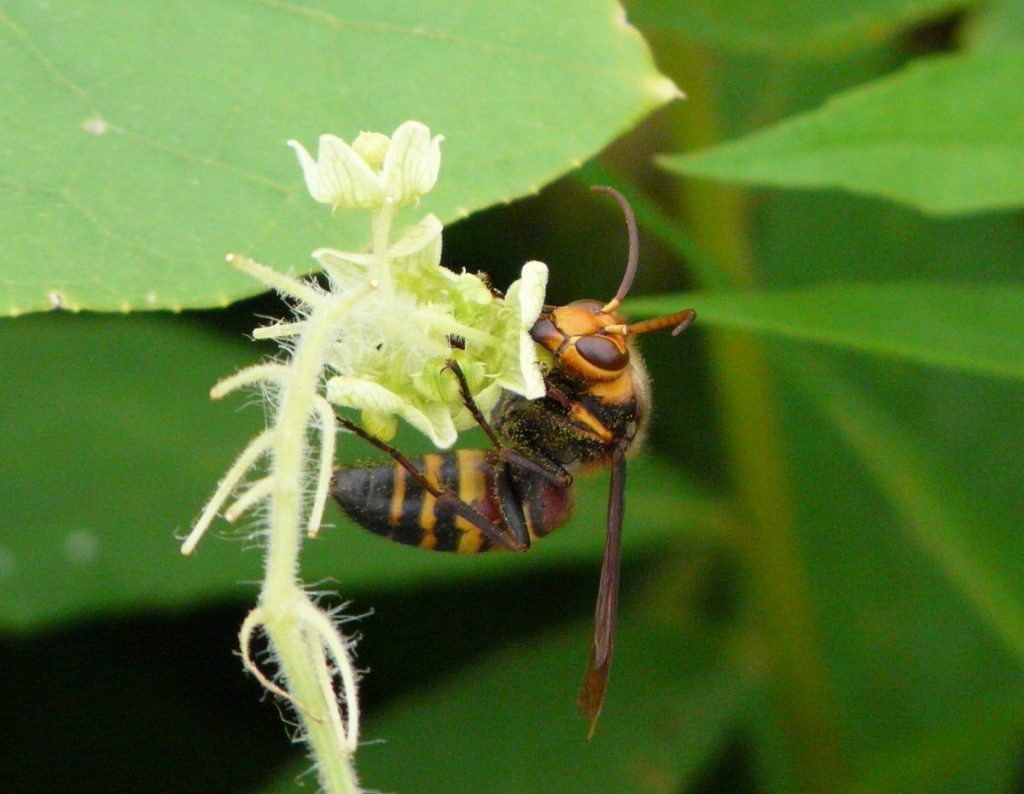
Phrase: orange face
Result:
[579,335]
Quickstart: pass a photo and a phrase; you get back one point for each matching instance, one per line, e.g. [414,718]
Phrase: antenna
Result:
[634,246]
[681,320]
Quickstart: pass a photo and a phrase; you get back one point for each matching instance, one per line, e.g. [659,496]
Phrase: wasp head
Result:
[577,335]
[591,338]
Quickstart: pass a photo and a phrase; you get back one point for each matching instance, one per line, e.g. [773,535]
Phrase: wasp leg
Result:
[559,476]
[506,538]
[595,679]
[467,400]
[579,417]
[510,501]
[509,498]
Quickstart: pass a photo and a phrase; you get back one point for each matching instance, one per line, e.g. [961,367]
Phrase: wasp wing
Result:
[595,679]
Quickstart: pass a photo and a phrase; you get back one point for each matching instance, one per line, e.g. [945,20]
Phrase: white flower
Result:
[391,358]
[374,170]
[525,298]
[390,355]
[418,248]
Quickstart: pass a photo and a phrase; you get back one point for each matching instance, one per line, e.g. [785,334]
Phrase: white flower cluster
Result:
[378,340]
[388,359]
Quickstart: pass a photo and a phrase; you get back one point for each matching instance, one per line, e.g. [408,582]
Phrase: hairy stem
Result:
[298,646]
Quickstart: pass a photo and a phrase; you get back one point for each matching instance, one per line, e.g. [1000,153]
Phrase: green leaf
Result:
[508,722]
[935,511]
[999,23]
[134,163]
[974,328]
[981,563]
[801,28]
[119,446]
[907,651]
[956,755]
[910,526]
[945,136]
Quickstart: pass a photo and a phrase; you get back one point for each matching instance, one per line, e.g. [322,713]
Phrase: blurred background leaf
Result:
[996,24]
[795,29]
[969,327]
[678,706]
[946,136]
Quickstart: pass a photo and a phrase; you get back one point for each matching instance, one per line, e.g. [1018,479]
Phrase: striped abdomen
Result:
[385,499]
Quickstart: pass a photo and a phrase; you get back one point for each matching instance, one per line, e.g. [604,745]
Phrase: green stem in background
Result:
[780,591]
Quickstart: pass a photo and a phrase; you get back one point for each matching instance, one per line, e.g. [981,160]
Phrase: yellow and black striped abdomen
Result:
[387,500]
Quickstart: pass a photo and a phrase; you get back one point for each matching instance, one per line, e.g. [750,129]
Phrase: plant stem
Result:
[380,271]
[297,648]
[781,592]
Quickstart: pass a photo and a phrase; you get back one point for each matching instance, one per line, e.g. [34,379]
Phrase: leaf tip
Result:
[664,89]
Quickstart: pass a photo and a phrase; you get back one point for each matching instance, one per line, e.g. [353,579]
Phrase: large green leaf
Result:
[114,446]
[972,328]
[801,28]
[945,135]
[912,636]
[906,576]
[144,141]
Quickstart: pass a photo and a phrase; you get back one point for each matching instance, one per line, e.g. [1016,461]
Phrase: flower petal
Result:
[526,296]
[533,387]
[342,266]
[339,176]
[532,285]
[382,426]
[412,162]
[415,238]
[434,420]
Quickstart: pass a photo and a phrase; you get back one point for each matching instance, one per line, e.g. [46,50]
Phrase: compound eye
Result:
[546,334]
[602,352]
